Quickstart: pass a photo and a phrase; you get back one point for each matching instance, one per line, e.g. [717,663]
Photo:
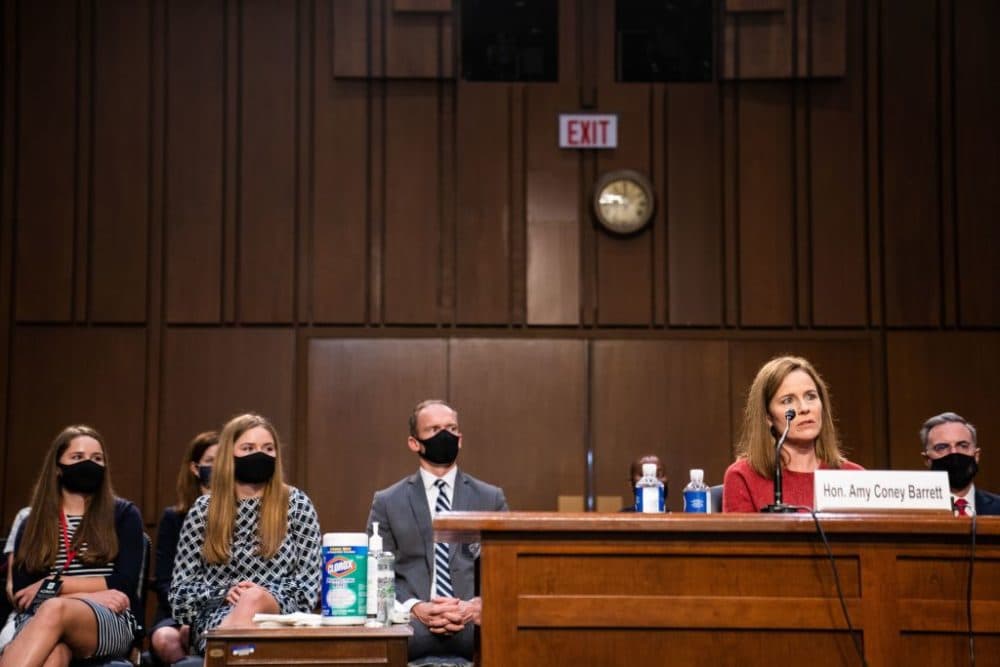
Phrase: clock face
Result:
[623,202]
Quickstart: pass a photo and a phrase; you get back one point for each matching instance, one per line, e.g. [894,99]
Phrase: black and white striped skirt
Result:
[115,632]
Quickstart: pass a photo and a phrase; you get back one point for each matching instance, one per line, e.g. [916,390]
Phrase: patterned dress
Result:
[292,575]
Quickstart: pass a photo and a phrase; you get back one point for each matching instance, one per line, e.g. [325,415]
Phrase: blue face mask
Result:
[205,475]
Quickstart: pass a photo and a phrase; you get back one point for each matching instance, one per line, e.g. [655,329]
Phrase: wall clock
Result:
[623,201]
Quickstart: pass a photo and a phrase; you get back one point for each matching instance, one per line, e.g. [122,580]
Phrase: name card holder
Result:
[881,491]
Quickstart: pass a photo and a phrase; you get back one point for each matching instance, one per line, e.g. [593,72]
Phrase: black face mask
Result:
[441,448]
[254,468]
[83,477]
[205,475]
[961,468]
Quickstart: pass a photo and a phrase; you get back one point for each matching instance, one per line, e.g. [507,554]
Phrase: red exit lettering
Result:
[587,132]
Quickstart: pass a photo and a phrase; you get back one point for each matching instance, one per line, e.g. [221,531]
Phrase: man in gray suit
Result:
[435,581]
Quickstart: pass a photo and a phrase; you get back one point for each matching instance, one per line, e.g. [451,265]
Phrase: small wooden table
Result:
[328,645]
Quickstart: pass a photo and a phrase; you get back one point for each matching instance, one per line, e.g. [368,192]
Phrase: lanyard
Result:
[70,553]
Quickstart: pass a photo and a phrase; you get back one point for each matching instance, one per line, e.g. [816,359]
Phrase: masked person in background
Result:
[169,639]
[252,545]
[949,444]
[442,600]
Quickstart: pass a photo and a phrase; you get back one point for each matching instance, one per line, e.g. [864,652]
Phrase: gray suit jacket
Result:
[405,525]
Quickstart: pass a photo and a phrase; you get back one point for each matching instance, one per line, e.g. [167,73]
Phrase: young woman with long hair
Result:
[252,545]
[169,639]
[782,384]
[78,559]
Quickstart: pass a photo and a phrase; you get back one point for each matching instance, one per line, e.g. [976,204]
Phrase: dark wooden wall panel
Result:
[416,44]
[929,373]
[412,199]
[912,237]
[523,430]
[552,210]
[767,263]
[836,197]
[483,223]
[347,24]
[194,171]
[659,397]
[268,172]
[64,376]
[977,170]
[338,247]
[850,369]
[694,205]
[220,163]
[360,396]
[121,162]
[46,209]
[821,37]
[211,375]
[624,265]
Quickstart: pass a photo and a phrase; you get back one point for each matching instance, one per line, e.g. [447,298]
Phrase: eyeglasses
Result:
[963,447]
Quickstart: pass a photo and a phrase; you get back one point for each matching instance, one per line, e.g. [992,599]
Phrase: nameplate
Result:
[881,490]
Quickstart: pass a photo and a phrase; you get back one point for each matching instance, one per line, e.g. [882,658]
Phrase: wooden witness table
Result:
[315,646]
[601,590]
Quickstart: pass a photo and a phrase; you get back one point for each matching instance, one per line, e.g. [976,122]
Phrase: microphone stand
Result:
[778,506]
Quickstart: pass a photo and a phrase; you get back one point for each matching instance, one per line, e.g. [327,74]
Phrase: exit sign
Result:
[588,130]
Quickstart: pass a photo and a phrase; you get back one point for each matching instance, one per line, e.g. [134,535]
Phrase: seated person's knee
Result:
[255,598]
[52,611]
[164,638]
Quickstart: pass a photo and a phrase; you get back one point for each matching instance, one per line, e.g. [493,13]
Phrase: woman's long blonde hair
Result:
[756,443]
[40,542]
[221,518]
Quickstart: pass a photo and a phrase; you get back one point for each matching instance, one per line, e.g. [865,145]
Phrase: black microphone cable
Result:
[858,644]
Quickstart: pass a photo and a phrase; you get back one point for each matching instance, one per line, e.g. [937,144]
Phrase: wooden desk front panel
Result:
[584,604]
[558,597]
[338,647]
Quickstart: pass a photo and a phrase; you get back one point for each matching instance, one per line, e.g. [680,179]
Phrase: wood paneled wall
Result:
[297,208]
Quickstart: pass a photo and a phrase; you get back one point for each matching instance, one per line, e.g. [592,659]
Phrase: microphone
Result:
[778,505]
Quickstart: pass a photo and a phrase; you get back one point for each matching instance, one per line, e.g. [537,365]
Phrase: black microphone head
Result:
[789,415]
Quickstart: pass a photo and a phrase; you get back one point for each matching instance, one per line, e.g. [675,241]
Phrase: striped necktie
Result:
[442,576]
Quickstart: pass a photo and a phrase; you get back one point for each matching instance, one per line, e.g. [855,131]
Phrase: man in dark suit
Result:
[435,581]
[949,444]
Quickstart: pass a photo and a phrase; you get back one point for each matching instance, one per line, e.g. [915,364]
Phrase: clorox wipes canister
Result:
[345,578]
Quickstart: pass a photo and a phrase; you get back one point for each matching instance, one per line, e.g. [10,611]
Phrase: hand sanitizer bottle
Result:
[374,551]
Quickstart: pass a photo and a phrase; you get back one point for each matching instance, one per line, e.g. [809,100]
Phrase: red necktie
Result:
[960,505]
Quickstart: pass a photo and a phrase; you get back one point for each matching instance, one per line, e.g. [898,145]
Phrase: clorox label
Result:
[341,567]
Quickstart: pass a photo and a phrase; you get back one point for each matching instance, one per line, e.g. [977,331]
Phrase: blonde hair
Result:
[40,542]
[756,443]
[273,523]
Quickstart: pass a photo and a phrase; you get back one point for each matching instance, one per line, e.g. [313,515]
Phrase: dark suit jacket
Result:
[987,504]
[405,525]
